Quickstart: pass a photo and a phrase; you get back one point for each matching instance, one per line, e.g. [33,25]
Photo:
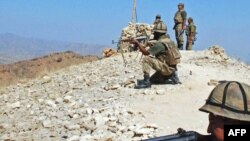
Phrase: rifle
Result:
[180,33]
[140,38]
[181,135]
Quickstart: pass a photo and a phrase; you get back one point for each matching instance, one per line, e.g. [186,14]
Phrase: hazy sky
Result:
[222,22]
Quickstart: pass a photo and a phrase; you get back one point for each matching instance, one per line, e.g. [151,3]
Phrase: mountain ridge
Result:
[15,48]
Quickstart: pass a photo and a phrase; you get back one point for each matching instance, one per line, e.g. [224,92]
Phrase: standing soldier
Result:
[190,32]
[165,59]
[180,25]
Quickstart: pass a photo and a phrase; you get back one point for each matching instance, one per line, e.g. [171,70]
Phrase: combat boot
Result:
[175,79]
[145,83]
[180,46]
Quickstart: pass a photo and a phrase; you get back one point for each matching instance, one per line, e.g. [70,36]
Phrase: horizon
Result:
[100,22]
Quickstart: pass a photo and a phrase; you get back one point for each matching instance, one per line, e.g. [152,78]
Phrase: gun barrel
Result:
[187,136]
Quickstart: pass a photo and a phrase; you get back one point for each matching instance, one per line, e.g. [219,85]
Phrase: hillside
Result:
[14,48]
[96,100]
[29,69]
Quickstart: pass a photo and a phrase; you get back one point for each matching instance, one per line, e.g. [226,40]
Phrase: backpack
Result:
[173,56]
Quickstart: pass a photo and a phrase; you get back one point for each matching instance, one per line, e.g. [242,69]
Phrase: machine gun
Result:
[181,135]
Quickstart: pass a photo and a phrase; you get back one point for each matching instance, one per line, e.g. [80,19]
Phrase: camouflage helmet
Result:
[230,100]
[160,27]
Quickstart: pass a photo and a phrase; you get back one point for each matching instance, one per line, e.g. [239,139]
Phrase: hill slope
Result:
[97,101]
[15,48]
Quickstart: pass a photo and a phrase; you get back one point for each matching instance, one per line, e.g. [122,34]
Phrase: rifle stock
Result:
[182,135]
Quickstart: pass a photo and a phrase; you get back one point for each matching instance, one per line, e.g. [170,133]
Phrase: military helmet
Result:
[230,100]
[160,27]
[158,16]
[181,4]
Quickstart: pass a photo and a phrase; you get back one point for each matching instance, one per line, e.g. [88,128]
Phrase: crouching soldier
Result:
[163,56]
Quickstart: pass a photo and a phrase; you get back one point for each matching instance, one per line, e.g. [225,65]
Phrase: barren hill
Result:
[14,48]
[96,100]
[25,70]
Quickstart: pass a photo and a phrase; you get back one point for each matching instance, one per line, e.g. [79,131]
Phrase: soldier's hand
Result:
[134,41]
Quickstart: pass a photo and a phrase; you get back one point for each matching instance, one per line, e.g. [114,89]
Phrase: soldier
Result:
[227,104]
[190,32]
[180,25]
[165,69]
[157,19]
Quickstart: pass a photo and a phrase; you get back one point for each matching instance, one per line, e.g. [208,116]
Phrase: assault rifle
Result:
[140,38]
[181,135]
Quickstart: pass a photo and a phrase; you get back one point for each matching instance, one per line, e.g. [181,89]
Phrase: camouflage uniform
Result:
[158,63]
[190,32]
[179,19]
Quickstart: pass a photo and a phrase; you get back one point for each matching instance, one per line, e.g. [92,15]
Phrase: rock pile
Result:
[133,31]
[136,30]
[108,52]
[85,102]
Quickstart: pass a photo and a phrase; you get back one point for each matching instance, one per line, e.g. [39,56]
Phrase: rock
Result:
[115,86]
[46,79]
[154,126]
[66,99]
[15,105]
[47,124]
[143,131]
[99,121]
[86,138]
[72,126]
[74,138]
[50,103]
[160,92]
[109,52]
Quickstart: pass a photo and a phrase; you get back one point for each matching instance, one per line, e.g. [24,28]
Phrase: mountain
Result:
[15,48]
[97,101]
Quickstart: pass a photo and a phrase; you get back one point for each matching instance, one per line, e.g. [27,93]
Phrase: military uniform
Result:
[159,62]
[190,32]
[179,19]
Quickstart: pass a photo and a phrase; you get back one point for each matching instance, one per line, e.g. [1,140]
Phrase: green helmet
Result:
[160,27]
[230,100]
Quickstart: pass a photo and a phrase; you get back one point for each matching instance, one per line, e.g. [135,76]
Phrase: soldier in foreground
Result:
[180,25]
[190,32]
[159,57]
[227,104]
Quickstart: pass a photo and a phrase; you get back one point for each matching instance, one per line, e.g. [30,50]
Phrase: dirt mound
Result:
[24,70]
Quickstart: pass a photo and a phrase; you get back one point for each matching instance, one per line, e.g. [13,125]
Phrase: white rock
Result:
[143,131]
[86,138]
[160,92]
[47,124]
[99,121]
[15,105]
[72,126]
[51,103]
[74,138]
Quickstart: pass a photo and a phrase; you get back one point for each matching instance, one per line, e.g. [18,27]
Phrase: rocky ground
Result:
[96,100]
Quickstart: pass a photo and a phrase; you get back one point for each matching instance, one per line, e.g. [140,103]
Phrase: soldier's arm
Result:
[184,16]
[192,32]
[140,46]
